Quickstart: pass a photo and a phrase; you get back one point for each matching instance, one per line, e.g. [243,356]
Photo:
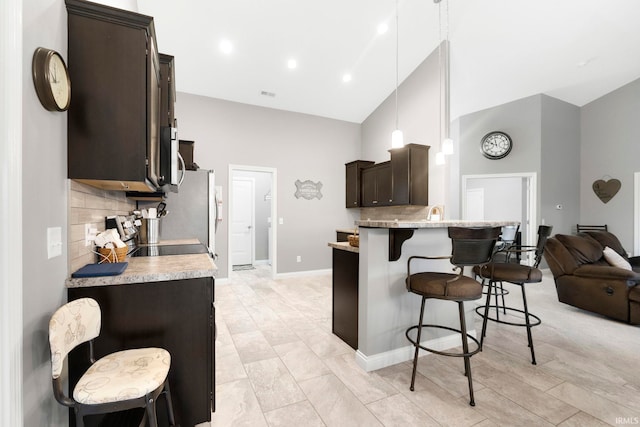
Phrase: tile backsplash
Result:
[89,205]
[401,213]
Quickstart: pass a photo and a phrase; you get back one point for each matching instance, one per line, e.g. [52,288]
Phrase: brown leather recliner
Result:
[586,280]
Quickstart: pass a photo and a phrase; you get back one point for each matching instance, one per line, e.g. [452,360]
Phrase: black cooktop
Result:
[162,250]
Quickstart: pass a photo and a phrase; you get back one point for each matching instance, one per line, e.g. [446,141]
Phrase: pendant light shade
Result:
[447,146]
[440,158]
[397,139]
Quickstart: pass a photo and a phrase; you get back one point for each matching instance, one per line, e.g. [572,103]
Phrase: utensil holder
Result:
[149,230]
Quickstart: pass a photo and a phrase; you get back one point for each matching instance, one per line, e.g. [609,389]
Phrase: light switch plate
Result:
[54,242]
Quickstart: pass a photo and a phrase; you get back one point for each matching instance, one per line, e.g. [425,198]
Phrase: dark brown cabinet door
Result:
[376,185]
[175,315]
[345,296]
[353,182]
[114,116]
[410,175]
[167,90]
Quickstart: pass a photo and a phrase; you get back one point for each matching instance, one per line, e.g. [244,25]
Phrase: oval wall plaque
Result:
[308,189]
[605,190]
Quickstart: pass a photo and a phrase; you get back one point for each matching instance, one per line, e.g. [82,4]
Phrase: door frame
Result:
[531,195]
[636,213]
[252,232]
[273,245]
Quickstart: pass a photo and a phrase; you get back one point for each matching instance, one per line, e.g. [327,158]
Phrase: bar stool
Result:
[470,246]
[516,274]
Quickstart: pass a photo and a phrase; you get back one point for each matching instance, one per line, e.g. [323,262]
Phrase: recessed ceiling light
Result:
[292,64]
[226,46]
[346,78]
[383,28]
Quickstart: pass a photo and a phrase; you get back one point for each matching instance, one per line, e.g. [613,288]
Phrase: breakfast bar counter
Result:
[385,307]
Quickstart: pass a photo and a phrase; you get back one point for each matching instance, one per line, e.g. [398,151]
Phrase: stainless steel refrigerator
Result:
[192,212]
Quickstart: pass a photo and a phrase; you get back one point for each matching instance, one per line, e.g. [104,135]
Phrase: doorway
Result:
[252,234]
[510,196]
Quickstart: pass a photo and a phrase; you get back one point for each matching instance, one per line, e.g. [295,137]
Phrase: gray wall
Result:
[262,205]
[44,205]
[546,140]
[610,148]
[299,146]
[560,165]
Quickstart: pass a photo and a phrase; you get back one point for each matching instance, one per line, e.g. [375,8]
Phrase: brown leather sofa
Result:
[586,280]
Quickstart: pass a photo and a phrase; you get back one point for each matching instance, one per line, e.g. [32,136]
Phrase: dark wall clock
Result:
[51,79]
[496,145]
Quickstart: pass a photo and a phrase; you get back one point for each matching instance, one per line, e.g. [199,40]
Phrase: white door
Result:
[242,217]
[475,204]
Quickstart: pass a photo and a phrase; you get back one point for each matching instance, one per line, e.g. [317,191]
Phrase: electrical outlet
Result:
[89,234]
[54,242]
[298,258]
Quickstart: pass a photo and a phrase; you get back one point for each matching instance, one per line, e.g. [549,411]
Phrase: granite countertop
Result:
[345,246]
[155,269]
[432,224]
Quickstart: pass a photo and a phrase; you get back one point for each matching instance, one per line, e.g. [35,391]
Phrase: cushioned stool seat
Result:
[145,370]
[514,273]
[438,285]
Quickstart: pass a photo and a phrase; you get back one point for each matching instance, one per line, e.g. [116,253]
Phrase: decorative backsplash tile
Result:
[401,213]
[89,205]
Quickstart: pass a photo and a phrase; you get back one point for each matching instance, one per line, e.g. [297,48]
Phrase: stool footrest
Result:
[443,353]
[536,319]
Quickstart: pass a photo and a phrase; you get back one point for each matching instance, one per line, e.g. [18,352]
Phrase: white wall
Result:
[299,146]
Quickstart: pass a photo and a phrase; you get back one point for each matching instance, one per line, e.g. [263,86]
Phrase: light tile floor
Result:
[278,364]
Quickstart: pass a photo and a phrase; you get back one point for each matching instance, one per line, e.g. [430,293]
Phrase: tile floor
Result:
[278,364]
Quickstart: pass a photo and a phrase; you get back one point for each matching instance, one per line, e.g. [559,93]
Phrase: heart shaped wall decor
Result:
[605,190]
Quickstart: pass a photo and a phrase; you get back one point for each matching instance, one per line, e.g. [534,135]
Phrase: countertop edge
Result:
[432,224]
[344,246]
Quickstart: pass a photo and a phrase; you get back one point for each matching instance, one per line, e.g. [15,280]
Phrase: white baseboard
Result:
[399,355]
[303,273]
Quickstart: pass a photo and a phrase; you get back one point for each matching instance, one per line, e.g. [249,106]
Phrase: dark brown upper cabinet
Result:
[376,185]
[403,180]
[114,117]
[410,175]
[167,90]
[354,182]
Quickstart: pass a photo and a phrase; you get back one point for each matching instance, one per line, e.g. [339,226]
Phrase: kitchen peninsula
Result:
[160,301]
[385,308]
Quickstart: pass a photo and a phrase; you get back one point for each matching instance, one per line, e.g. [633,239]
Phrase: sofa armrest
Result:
[606,272]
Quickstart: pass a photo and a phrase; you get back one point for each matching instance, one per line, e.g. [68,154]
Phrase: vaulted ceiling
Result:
[501,50]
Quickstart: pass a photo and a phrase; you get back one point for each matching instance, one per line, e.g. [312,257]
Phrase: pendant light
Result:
[446,143]
[397,139]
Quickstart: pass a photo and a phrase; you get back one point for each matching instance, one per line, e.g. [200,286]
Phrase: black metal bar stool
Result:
[470,246]
[517,274]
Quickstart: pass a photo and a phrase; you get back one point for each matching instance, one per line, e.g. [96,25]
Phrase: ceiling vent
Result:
[269,94]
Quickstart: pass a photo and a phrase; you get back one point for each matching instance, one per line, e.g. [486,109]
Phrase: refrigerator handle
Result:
[184,169]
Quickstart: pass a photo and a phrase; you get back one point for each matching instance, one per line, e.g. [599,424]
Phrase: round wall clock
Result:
[51,79]
[496,145]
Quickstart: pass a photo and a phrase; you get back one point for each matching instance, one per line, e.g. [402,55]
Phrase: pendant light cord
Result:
[397,43]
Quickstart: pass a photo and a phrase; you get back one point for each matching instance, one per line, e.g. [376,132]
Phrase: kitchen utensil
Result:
[162,206]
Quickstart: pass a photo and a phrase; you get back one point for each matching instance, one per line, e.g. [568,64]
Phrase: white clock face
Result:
[59,81]
[496,145]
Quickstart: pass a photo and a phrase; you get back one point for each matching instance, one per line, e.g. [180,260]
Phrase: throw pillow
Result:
[614,259]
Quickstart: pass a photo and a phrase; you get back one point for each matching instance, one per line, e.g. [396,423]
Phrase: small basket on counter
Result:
[354,240]
[112,255]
